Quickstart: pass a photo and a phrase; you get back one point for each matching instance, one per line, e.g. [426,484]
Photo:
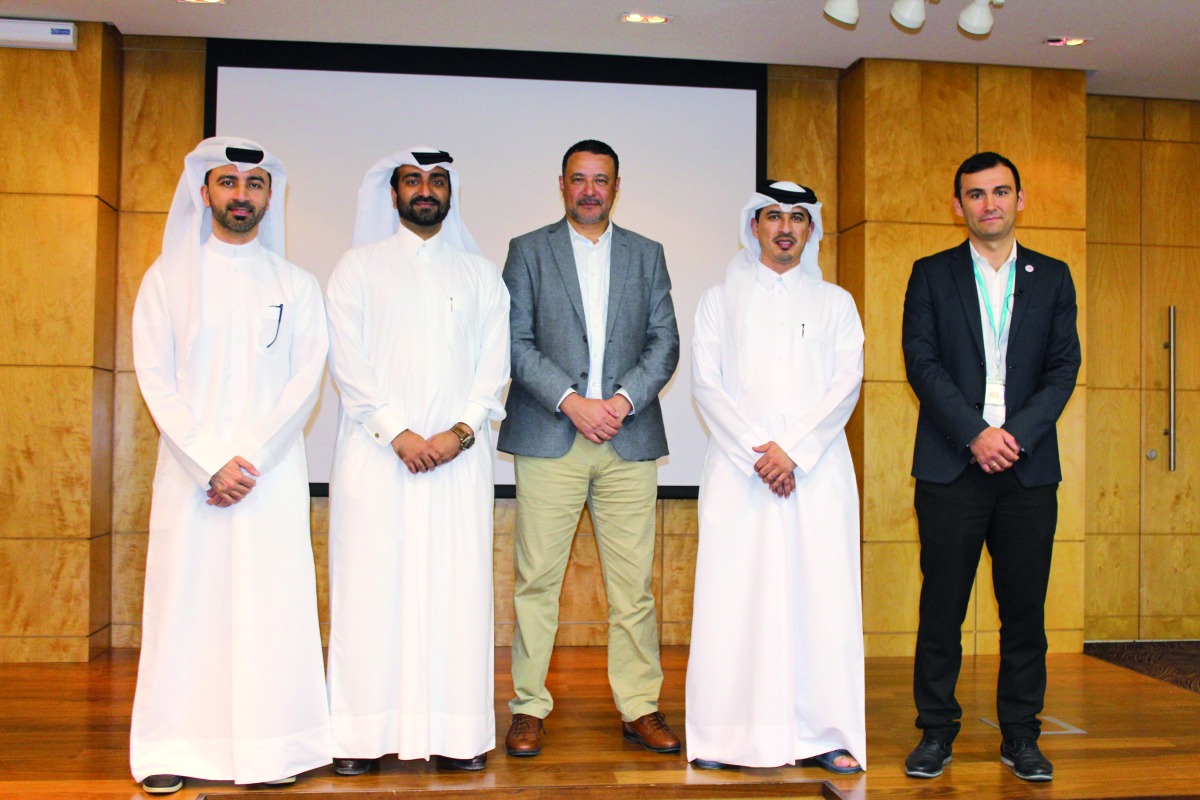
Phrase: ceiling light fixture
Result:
[909,13]
[977,17]
[1065,41]
[844,11]
[646,19]
[202,2]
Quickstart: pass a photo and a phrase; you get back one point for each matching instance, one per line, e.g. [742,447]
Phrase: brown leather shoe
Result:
[652,733]
[524,736]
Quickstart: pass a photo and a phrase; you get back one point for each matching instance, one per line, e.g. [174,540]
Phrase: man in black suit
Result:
[992,353]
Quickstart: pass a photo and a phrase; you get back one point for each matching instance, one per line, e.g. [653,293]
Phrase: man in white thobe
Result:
[418,322]
[229,343]
[775,674]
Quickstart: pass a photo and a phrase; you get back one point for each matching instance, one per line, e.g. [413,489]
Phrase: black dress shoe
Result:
[352,766]
[701,763]
[927,760]
[162,784]
[468,764]
[1026,760]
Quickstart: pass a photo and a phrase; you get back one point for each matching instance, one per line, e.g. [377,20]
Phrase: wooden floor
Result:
[64,733]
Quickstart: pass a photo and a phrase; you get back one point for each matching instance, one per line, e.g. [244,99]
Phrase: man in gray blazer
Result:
[593,343]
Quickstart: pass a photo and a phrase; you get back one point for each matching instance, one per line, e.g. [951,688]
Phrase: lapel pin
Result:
[1029,267]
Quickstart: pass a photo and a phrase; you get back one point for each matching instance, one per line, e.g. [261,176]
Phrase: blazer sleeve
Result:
[1060,367]
[660,354]
[941,399]
[531,368]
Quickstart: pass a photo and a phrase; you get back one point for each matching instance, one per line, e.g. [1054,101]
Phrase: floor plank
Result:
[64,733]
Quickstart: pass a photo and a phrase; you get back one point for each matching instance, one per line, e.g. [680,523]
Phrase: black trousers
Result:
[1017,524]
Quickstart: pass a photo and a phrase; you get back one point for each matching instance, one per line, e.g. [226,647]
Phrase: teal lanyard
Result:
[987,304]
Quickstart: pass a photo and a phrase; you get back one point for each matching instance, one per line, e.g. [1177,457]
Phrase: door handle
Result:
[1170,346]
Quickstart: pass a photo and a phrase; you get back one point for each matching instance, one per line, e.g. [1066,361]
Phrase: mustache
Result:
[425,199]
[231,205]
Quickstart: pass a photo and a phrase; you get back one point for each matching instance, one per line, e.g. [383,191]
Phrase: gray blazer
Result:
[550,347]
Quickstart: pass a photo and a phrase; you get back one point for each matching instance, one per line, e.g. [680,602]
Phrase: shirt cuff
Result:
[474,415]
[625,394]
[558,408]
[384,425]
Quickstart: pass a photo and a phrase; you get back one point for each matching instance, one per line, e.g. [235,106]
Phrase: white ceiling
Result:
[1144,48]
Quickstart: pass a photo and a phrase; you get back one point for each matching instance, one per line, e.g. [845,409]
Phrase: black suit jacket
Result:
[944,358]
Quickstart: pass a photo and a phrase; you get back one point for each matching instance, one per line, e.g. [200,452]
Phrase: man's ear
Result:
[958,209]
[204,195]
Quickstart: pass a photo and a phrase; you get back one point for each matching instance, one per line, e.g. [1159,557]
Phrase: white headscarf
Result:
[740,274]
[377,219]
[786,195]
[189,224]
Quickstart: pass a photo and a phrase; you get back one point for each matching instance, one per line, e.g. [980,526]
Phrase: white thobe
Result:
[231,683]
[775,672]
[419,341]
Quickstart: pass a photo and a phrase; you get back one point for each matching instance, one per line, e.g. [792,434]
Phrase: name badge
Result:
[994,394]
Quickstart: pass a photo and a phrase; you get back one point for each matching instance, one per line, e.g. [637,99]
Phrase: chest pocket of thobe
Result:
[811,364]
[273,329]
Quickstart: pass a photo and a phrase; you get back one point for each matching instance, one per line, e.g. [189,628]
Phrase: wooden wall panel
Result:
[51,135]
[1173,120]
[1169,502]
[1072,492]
[46,440]
[802,117]
[891,249]
[1038,119]
[48,283]
[1111,596]
[1114,466]
[1114,199]
[1169,277]
[920,119]
[1069,246]
[34,571]
[852,148]
[140,244]
[157,134]
[1115,117]
[890,423]
[108,134]
[891,587]
[134,454]
[1170,185]
[1114,324]
[1170,582]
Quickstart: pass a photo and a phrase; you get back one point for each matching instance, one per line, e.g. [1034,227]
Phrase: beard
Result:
[588,213]
[225,218]
[425,217]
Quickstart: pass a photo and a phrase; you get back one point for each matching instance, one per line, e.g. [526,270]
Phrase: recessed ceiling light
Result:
[648,19]
[202,2]
[1065,41]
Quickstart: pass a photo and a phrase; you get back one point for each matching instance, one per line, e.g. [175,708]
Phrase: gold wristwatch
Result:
[466,436]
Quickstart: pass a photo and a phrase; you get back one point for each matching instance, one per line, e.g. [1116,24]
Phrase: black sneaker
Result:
[1026,760]
[927,760]
[162,784]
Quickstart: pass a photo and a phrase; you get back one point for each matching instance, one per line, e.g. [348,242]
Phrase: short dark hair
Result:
[395,179]
[978,163]
[264,170]
[592,146]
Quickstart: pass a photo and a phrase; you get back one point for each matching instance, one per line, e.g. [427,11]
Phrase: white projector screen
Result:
[689,159]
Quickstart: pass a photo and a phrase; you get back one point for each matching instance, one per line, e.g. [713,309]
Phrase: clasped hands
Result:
[231,483]
[424,455]
[598,420]
[995,450]
[776,469]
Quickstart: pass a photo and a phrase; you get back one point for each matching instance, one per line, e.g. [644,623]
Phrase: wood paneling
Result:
[157,134]
[802,115]
[47,436]
[128,578]
[1170,185]
[1072,451]
[51,125]
[1169,499]
[1069,246]
[44,587]
[1169,277]
[48,286]
[1114,467]
[852,148]
[1112,567]
[1170,581]
[679,578]
[891,249]
[679,517]
[1114,199]
[891,576]
[108,134]
[1064,601]
[140,244]
[135,452]
[1114,118]
[1114,327]
[1038,119]
[890,423]
[1173,120]
[920,119]
[101,463]
[100,572]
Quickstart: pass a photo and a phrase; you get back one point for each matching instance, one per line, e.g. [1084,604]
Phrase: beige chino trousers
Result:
[621,497]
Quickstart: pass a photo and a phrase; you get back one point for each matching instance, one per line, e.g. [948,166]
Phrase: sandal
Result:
[826,762]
